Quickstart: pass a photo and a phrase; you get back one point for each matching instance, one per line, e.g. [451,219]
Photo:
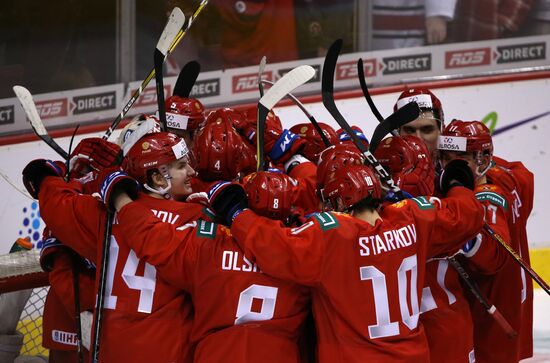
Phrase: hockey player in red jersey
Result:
[431,121]
[498,275]
[315,144]
[241,314]
[518,181]
[145,318]
[184,116]
[445,312]
[365,267]
[64,266]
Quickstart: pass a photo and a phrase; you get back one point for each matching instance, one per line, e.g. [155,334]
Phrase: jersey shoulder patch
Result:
[327,220]
[492,197]
[422,203]
[206,229]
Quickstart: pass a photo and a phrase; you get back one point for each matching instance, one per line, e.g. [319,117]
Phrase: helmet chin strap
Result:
[164,192]
[479,162]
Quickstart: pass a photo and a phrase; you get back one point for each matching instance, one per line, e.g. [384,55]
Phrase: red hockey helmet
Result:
[348,185]
[336,157]
[315,143]
[400,154]
[346,139]
[153,152]
[425,99]
[184,113]
[270,194]
[221,153]
[469,136]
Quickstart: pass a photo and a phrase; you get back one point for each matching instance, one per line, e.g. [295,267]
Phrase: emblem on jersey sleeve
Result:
[326,220]
[493,198]
[206,229]
[423,203]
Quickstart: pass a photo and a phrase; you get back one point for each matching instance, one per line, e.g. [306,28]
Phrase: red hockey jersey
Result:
[366,280]
[241,314]
[444,298]
[145,318]
[512,289]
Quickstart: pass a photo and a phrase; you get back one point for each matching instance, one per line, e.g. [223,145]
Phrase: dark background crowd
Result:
[74,44]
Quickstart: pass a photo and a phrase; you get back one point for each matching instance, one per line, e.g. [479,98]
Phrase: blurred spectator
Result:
[489,19]
[539,19]
[251,29]
[410,23]
[320,22]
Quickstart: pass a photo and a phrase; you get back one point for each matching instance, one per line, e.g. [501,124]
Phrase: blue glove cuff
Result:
[345,137]
[282,145]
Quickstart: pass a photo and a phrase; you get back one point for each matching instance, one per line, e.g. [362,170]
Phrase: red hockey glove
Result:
[93,153]
[420,180]
[50,246]
[35,172]
[227,200]
[114,181]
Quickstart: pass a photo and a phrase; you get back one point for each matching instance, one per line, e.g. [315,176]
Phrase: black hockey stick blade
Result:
[296,77]
[327,87]
[27,102]
[404,115]
[365,89]
[186,79]
[159,62]
[261,68]
[307,113]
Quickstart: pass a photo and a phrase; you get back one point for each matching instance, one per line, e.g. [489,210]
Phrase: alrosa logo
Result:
[348,70]
[468,58]
[52,108]
[248,82]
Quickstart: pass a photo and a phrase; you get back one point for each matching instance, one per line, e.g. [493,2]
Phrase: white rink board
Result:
[512,101]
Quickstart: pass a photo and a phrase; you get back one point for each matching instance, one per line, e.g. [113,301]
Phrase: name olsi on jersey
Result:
[237,261]
[388,241]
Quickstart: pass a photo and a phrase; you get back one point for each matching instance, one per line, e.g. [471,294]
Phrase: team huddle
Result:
[314,259]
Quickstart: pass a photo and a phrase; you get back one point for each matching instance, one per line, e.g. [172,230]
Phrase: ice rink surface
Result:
[541,327]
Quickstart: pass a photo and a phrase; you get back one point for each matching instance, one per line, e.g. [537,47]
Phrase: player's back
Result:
[366,280]
[367,304]
[241,314]
[145,317]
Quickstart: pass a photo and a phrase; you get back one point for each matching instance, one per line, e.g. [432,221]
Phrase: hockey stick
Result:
[306,112]
[366,93]
[100,302]
[491,309]
[327,87]
[186,79]
[168,36]
[404,115]
[296,77]
[260,75]
[25,98]
[518,258]
[377,137]
[151,74]
[76,292]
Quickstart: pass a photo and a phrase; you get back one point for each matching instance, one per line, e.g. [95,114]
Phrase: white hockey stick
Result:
[151,74]
[25,98]
[168,36]
[260,75]
[296,77]
[307,113]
